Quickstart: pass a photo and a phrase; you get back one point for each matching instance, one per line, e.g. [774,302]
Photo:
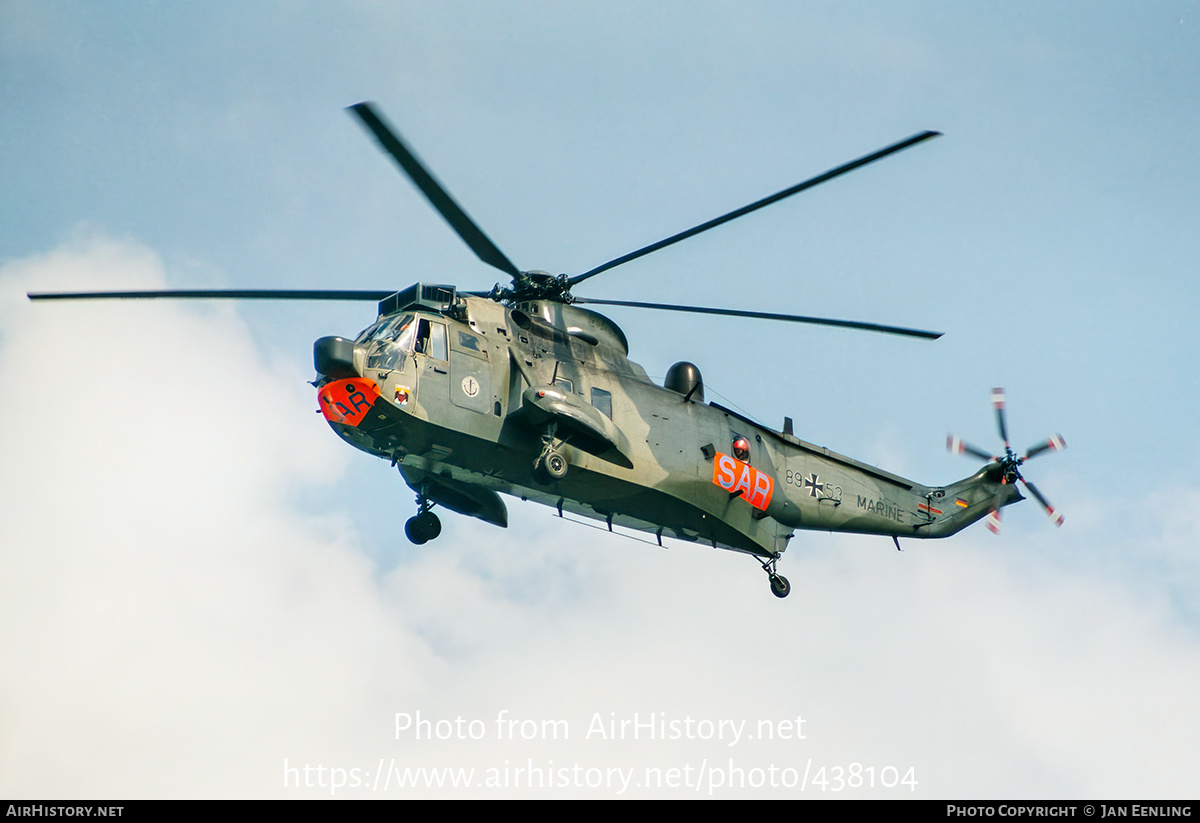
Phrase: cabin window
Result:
[564,383]
[471,342]
[602,400]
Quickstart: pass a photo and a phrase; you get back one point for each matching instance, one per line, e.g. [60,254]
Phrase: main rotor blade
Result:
[758,204]
[216,294]
[759,315]
[439,198]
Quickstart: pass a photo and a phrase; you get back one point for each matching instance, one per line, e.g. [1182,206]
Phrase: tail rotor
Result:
[1009,463]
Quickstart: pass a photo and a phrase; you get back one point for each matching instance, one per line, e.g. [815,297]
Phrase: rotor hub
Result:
[535,285]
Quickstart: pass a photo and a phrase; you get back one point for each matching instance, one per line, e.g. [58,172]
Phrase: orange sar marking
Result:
[347,401]
[736,477]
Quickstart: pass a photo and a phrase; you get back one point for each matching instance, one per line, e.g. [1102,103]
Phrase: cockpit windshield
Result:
[388,341]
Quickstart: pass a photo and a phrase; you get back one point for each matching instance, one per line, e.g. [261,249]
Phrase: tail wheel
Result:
[780,587]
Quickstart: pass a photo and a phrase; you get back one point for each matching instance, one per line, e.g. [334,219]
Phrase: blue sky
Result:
[200,581]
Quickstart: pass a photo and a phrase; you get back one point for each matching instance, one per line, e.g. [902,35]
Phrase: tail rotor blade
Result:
[1054,515]
[993,518]
[957,445]
[998,402]
[993,521]
[1055,443]
[1006,469]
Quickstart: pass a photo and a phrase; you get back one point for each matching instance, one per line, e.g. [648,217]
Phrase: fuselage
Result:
[462,393]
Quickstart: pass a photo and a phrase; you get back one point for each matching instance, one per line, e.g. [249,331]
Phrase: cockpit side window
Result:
[431,339]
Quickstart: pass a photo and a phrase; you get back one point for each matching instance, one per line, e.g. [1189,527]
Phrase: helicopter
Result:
[521,391]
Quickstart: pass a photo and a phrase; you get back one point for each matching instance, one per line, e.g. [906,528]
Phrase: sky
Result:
[205,593]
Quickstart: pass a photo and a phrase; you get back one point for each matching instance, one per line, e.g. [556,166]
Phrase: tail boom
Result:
[829,495]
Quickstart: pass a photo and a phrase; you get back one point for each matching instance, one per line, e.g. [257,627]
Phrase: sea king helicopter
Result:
[521,391]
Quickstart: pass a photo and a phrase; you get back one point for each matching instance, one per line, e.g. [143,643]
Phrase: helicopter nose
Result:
[334,357]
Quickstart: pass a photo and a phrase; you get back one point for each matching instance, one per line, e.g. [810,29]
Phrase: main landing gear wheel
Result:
[423,527]
[555,466]
[550,465]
